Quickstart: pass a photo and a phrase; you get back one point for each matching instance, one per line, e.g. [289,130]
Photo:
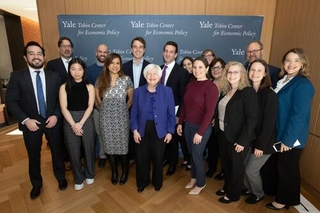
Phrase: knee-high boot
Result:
[114,168]
[125,169]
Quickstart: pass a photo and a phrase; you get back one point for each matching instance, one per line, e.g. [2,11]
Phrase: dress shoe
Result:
[140,189]
[191,184]
[271,206]
[102,162]
[165,162]
[124,178]
[35,192]
[225,200]
[196,190]
[245,192]
[219,176]
[78,187]
[188,167]
[171,170]
[253,199]
[184,163]
[157,188]
[63,184]
[221,192]
[209,173]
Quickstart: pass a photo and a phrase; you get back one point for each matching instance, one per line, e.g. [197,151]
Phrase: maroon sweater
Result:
[200,100]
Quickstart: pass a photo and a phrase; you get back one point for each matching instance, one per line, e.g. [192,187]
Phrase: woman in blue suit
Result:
[295,93]
[152,123]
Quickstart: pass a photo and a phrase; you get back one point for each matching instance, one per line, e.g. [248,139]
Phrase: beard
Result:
[35,65]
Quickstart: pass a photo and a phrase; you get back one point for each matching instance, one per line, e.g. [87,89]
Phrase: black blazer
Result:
[178,80]
[21,97]
[56,65]
[127,69]
[241,117]
[266,127]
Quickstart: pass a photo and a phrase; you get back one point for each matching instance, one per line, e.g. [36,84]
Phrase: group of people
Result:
[140,112]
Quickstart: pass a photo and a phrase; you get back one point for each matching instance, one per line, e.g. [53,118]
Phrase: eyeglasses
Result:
[65,46]
[252,51]
[233,73]
[207,55]
[216,68]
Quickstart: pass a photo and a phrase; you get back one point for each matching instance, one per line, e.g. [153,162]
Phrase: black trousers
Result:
[288,190]
[33,143]
[150,151]
[172,149]
[233,165]
[213,152]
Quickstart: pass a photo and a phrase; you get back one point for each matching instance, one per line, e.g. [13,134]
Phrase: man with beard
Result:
[254,51]
[33,98]
[134,69]
[60,65]
[93,72]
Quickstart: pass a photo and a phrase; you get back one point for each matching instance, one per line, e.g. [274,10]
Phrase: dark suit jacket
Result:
[267,113]
[56,65]
[127,69]
[178,80]
[241,117]
[294,111]
[21,97]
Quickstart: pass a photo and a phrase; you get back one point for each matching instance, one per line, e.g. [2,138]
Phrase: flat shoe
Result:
[271,206]
[224,200]
[221,192]
[196,190]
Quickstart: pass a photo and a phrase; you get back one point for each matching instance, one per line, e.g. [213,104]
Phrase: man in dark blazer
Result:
[60,65]
[254,51]
[177,78]
[23,103]
[134,69]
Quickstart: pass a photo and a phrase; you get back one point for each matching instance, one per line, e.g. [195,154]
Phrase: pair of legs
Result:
[113,160]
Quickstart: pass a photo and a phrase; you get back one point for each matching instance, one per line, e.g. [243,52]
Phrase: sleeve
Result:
[171,121]
[134,111]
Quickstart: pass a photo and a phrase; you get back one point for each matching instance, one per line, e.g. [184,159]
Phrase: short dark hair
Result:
[64,38]
[258,42]
[213,62]
[172,43]
[141,40]
[204,52]
[33,43]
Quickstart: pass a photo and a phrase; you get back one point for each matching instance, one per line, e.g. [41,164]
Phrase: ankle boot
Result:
[125,169]
[114,169]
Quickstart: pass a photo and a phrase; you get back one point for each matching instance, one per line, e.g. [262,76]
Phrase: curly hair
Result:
[244,80]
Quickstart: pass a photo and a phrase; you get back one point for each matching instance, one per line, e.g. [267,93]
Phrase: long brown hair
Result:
[104,80]
[266,80]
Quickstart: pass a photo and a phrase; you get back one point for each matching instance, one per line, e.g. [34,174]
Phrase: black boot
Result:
[125,169]
[114,168]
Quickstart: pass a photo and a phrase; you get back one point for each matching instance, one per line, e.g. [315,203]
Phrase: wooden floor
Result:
[102,196]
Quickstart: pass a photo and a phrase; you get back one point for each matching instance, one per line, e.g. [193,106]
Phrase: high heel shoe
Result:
[196,190]
[271,206]
[191,184]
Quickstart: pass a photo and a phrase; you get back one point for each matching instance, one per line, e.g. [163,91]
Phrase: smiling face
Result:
[137,50]
[216,70]
[114,66]
[169,54]
[35,57]
[76,71]
[102,53]
[253,52]
[292,64]
[199,70]
[153,77]
[234,75]
[65,49]
[187,64]
[257,72]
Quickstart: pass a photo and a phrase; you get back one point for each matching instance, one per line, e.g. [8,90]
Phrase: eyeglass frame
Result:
[253,51]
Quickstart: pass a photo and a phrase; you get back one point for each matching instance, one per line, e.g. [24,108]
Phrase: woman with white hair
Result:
[152,124]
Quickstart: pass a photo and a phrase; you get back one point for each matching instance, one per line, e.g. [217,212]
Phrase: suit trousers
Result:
[33,143]
[172,149]
[288,191]
[196,151]
[74,143]
[150,150]
[96,119]
[213,152]
[252,178]
[233,165]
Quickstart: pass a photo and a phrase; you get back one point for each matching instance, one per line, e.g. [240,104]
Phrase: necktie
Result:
[40,95]
[163,76]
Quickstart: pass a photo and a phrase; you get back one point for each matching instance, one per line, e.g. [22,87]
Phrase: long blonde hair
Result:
[244,80]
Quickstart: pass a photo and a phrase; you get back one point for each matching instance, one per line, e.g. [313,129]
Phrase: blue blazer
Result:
[294,111]
[163,111]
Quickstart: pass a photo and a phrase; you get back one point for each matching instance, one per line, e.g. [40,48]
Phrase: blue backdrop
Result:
[227,36]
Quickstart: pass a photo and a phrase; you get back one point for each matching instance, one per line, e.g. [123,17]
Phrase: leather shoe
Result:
[157,188]
[35,192]
[221,192]
[102,162]
[253,199]
[271,206]
[171,170]
[219,176]
[165,162]
[245,192]
[63,184]
[140,189]
[225,200]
